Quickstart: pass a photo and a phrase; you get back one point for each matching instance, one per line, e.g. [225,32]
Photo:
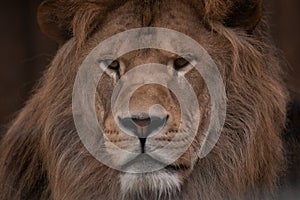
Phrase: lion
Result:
[42,156]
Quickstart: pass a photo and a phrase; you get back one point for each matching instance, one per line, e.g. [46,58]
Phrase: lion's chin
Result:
[159,184]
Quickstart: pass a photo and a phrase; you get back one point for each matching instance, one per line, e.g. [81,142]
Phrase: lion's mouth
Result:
[180,167]
[144,163]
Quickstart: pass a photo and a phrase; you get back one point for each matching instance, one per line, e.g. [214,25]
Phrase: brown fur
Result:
[43,158]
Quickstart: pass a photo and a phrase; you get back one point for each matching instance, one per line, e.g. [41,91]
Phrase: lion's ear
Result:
[55,20]
[244,14]
[62,19]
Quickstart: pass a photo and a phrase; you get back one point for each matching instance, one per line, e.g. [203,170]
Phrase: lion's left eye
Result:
[180,63]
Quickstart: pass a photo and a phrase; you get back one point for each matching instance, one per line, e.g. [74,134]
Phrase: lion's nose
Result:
[142,126]
[142,122]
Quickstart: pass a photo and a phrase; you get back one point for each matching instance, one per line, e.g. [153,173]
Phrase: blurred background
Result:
[25,54]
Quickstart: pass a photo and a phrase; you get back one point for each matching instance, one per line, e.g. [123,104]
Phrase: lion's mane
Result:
[42,156]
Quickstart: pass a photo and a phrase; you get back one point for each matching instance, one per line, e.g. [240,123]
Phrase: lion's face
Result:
[43,145]
[142,139]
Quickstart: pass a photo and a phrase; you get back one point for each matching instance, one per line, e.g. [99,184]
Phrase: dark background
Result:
[25,54]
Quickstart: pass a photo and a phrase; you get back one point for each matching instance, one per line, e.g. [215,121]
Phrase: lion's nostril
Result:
[157,123]
[127,124]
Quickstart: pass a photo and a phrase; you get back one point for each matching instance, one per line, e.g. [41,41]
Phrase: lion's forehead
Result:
[168,14]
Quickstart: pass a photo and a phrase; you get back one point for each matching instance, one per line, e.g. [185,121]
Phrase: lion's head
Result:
[43,156]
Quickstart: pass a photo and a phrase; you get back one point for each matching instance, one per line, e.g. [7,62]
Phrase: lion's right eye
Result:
[115,65]
[111,66]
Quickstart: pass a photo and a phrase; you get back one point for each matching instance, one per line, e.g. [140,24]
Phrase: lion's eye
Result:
[115,65]
[111,66]
[180,63]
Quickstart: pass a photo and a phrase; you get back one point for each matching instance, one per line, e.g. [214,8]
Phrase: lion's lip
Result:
[180,167]
[143,162]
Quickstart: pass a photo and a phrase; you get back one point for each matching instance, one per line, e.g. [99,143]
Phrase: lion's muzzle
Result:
[142,126]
